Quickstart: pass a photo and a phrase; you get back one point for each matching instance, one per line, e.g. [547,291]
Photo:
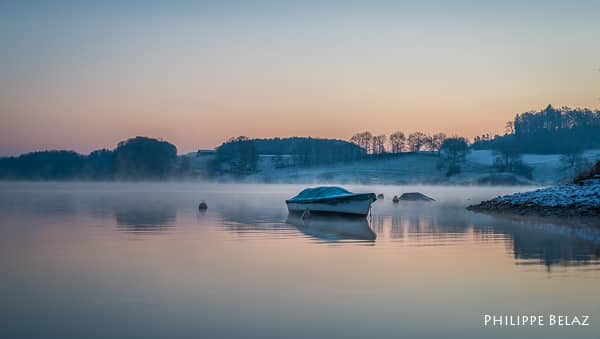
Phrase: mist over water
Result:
[106,260]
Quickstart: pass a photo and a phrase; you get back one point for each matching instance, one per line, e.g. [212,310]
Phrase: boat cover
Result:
[328,192]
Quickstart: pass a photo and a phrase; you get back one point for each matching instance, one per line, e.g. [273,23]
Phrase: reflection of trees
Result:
[396,230]
[378,223]
[549,244]
[39,204]
[417,221]
[145,217]
[131,210]
[242,217]
[531,240]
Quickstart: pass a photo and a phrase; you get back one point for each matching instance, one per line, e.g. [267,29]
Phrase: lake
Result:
[115,260]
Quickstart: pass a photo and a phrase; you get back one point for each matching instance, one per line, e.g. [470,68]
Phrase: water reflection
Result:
[241,212]
[248,218]
[419,224]
[156,217]
[333,228]
[259,211]
[529,241]
[67,260]
[550,244]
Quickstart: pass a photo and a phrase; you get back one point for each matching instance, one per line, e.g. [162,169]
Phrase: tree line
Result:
[452,150]
[398,142]
[239,155]
[548,131]
[138,158]
[566,131]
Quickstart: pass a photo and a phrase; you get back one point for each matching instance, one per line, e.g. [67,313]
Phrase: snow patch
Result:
[558,196]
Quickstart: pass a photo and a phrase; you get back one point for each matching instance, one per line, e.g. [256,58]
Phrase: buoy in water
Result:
[203,206]
[380,196]
[395,199]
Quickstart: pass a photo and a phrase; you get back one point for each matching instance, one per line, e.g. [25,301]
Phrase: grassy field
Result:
[393,169]
[414,168]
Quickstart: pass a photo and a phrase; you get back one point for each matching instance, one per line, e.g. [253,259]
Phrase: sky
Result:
[84,75]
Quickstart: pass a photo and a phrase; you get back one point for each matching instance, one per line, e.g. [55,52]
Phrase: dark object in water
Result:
[395,199]
[415,196]
[380,196]
[203,206]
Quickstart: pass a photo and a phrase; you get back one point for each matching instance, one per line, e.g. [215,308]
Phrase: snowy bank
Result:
[562,200]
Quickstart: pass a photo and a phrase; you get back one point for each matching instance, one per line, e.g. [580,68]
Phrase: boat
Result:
[331,199]
[333,228]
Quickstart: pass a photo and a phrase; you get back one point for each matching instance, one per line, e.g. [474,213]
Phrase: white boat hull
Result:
[356,207]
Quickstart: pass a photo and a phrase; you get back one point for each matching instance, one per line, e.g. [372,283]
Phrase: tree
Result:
[509,127]
[378,146]
[44,165]
[436,141]
[417,140]
[238,155]
[572,159]
[363,140]
[184,166]
[508,158]
[144,158]
[397,141]
[99,165]
[454,151]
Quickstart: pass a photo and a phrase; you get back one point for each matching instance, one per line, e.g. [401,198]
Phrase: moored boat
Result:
[331,199]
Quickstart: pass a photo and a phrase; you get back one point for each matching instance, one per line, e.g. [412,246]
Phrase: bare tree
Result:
[416,141]
[509,127]
[363,140]
[378,144]
[436,141]
[397,141]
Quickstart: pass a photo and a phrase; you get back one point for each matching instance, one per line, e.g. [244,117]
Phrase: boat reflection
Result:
[331,228]
[145,218]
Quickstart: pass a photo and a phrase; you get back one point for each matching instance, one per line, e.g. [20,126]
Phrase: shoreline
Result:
[556,201]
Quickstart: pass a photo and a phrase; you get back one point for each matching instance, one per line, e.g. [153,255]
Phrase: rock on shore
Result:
[563,200]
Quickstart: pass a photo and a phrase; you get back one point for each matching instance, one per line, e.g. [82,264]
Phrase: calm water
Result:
[140,261]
